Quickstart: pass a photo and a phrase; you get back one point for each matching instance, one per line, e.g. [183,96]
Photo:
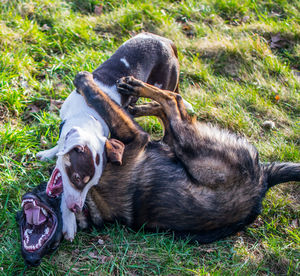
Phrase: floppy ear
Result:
[74,139]
[114,151]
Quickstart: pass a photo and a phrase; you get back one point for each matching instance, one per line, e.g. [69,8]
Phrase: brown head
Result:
[80,165]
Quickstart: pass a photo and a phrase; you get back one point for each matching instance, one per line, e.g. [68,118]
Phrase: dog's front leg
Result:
[47,154]
[69,221]
[121,126]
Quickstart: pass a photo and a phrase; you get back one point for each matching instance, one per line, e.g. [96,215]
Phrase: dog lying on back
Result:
[83,148]
[201,182]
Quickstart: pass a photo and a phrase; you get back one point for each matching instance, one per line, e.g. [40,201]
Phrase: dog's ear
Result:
[114,151]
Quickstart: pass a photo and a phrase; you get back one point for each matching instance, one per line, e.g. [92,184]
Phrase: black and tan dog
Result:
[201,181]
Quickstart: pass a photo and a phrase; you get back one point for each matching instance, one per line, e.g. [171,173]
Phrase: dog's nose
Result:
[74,208]
[76,179]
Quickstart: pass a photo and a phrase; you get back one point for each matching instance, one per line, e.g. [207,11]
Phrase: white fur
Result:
[47,154]
[89,129]
[111,91]
[187,105]
[89,134]
[69,221]
[125,62]
[158,85]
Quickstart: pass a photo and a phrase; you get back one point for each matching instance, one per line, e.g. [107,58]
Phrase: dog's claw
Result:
[128,86]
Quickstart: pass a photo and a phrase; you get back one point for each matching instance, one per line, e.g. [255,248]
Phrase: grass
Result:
[239,67]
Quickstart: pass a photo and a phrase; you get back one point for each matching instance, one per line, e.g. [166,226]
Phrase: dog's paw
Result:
[129,86]
[42,155]
[45,155]
[69,221]
[69,226]
[81,80]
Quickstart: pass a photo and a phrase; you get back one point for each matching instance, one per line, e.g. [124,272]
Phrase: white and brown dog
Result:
[83,147]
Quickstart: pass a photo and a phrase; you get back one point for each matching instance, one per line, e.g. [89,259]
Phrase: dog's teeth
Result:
[27,200]
[40,242]
[49,193]
[44,212]
[46,231]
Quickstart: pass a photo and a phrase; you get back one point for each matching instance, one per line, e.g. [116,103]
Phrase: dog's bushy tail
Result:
[277,173]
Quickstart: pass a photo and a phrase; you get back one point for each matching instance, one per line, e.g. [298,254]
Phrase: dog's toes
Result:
[39,155]
[127,89]
[132,110]
[80,78]
[129,86]
[69,232]
[133,81]
[130,80]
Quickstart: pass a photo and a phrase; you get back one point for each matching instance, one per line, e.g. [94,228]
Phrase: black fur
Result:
[39,192]
[281,172]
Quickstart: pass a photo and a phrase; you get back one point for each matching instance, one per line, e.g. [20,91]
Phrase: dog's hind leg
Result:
[183,132]
[153,109]
[121,126]
[171,102]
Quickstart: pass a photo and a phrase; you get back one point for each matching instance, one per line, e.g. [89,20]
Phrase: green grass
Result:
[229,72]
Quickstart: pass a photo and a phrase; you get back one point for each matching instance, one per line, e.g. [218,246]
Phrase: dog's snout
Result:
[76,178]
[74,204]
[75,208]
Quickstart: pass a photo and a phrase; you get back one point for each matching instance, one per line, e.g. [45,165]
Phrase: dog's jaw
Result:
[73,197]
[55,184]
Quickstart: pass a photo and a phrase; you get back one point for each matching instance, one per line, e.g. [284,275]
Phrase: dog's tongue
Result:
[34,214]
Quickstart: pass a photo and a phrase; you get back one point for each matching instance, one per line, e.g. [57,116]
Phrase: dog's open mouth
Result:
[55,185]
[39,224]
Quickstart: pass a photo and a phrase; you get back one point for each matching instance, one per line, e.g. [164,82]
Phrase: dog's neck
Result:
[76,109]
[111,91]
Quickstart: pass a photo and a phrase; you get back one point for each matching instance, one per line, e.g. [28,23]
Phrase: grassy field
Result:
[240,67]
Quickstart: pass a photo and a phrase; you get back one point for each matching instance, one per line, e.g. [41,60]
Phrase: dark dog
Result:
[40,223]
[202,181]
